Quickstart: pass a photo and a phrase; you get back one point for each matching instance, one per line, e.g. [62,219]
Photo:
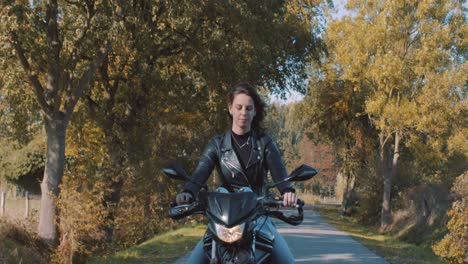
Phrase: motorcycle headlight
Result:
[229,235]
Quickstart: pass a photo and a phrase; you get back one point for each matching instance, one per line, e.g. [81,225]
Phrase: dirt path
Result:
[315,241]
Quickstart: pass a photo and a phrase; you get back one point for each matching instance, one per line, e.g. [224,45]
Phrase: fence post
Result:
[2,203]
[26,211]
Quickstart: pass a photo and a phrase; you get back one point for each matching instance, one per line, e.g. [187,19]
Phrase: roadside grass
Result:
[164,248]
[392,249]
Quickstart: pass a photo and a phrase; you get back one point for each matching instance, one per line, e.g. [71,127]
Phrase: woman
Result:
[243,155]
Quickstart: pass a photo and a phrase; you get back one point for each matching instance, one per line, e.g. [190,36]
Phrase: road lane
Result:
[315,241]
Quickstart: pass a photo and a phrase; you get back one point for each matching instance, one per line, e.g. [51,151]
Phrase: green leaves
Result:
[18,161]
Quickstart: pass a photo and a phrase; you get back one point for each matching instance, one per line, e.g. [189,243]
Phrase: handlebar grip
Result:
[274,203]
[292,219]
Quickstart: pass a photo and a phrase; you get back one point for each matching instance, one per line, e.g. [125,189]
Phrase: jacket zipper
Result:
[234,167]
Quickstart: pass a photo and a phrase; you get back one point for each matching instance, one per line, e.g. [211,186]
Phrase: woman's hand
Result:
[184,198]
[289,199]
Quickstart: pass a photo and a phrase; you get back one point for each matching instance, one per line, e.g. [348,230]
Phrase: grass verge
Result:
[392,249]
[163,249]
[15,208]
[18,244]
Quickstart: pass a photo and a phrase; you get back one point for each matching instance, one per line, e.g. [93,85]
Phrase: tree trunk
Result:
[111,202]
[388,177]
[114,180]
[343,177]
[396,155]
[53,173]
[26,210]
[385,213]
[2,203]
[350,182]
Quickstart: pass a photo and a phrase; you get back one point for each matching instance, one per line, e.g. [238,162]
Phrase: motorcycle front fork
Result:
[213,260]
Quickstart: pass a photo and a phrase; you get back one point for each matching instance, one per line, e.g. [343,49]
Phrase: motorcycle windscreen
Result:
[229,209]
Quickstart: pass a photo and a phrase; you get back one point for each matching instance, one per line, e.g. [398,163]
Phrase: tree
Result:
[165,55]
[394,72]
[407,51]
[334,111]
[59,48]
[178,54]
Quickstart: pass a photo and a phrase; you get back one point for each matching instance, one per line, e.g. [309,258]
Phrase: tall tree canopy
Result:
[396,69]
[140,66]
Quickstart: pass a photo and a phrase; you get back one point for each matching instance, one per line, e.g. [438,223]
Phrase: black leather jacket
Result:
[220,153]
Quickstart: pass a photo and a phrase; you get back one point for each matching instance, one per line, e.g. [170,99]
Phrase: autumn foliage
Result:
[453,247]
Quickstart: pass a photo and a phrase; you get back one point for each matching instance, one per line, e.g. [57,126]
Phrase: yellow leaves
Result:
[85,145]
[301,9]
[428,149]
[401,115]
[458,142]
[453,246]
[387,70]
[375,105]
[407,60]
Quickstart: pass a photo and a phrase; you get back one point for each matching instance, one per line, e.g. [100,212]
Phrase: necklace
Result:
[243,145]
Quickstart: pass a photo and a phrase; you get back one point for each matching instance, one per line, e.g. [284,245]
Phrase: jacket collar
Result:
[227,146]
[227,141]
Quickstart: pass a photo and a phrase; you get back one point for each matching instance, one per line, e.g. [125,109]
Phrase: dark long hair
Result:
[260,113]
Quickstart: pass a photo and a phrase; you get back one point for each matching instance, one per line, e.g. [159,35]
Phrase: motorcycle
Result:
[235,234]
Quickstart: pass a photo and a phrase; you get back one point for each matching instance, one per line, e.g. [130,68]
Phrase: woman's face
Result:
[242,110]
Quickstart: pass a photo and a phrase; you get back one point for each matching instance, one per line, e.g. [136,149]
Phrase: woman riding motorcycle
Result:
[243,156]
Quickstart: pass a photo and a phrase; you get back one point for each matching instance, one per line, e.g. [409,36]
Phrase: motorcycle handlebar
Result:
[276,203]
[181,211]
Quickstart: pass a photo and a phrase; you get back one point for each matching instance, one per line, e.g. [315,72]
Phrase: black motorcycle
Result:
[234,232]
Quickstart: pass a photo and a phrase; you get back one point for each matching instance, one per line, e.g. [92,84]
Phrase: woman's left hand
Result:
[289,199]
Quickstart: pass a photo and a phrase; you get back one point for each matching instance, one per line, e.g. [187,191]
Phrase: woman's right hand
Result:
[184,198]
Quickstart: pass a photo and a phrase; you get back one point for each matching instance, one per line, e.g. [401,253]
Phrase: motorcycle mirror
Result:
[301,173]
[174,171]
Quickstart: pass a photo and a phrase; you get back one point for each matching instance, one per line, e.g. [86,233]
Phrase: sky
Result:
[291,97]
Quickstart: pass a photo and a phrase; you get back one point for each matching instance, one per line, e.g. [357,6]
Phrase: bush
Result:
[81,217]
[454,246]
[367,201]
[18,244]
[421,214]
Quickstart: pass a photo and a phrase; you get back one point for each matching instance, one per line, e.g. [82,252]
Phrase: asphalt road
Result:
[315,241]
